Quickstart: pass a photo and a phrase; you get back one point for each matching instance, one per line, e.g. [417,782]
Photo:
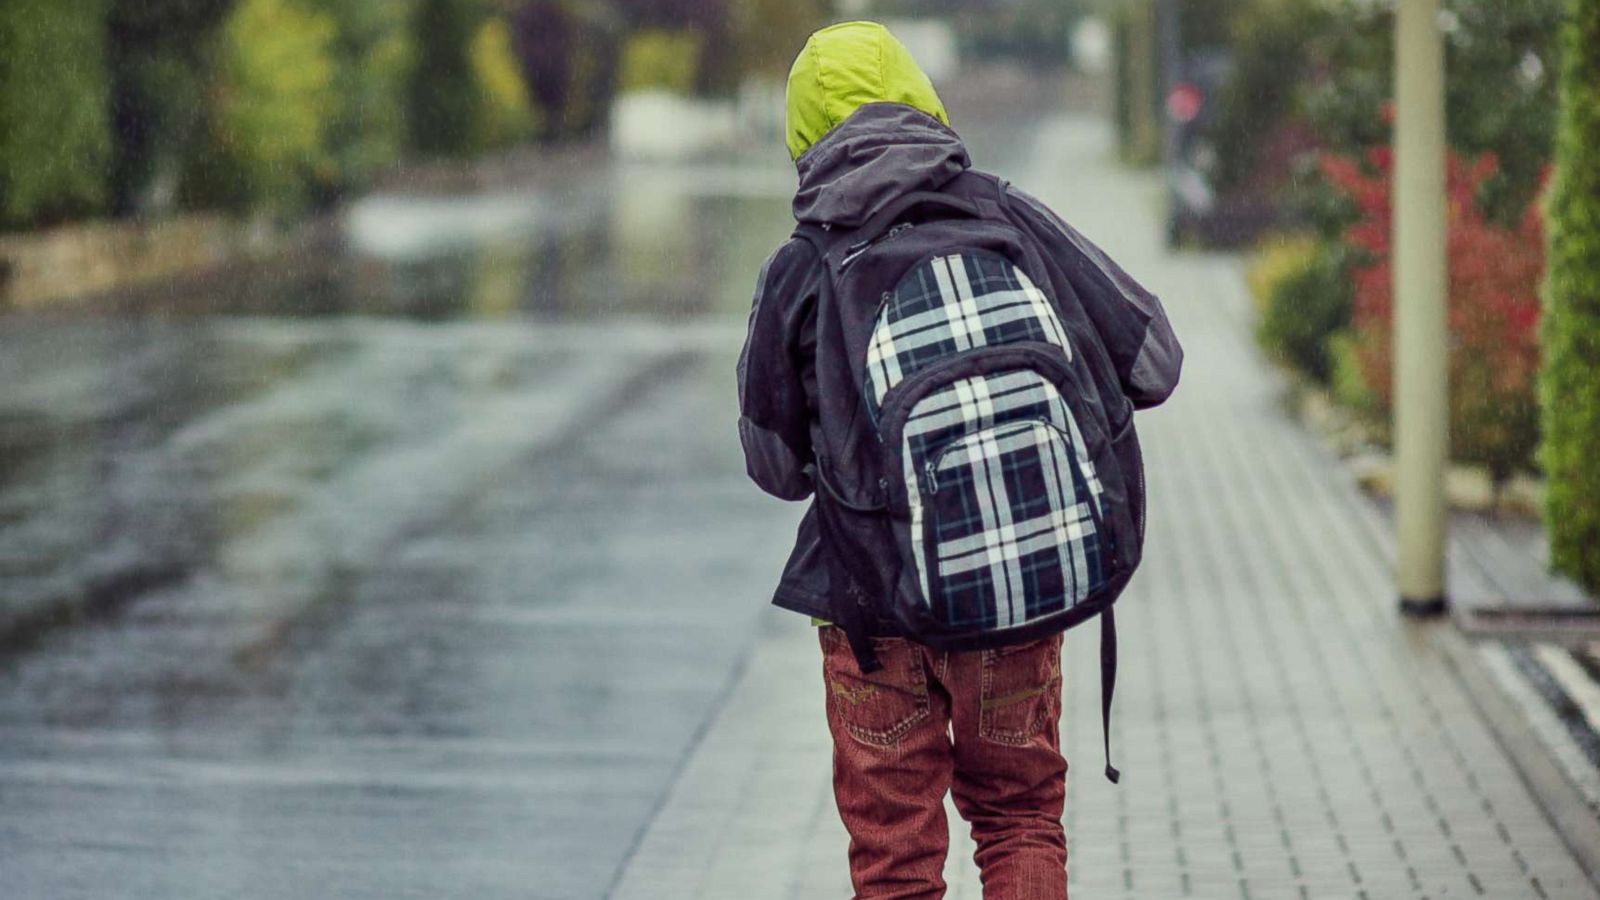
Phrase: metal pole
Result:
[1169,41]
[1421,374]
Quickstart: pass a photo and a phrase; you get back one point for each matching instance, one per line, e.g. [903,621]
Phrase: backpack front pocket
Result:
[1010,527]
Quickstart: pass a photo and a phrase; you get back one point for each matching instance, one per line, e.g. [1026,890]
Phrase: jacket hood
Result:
[882,151]
[845,67]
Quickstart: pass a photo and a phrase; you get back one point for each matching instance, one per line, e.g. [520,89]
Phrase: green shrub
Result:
[445,103]
[1493,286]
[1276,257]
[275,97]
[1347,382]
[660,60]
[1570,380]
[55,123]
[1305,305]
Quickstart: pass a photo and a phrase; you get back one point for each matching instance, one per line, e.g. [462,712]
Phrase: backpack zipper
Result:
[931,467]
[854,251]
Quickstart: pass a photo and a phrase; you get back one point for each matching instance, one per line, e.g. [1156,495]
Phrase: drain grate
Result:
[1552,623]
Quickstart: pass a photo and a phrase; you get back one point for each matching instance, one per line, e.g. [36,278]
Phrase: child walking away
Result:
[949,372]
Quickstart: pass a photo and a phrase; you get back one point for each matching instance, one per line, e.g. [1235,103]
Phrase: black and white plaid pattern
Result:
[997,462]
[954,303]
[1014,535]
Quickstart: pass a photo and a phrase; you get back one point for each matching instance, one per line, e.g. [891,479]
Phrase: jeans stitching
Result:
[884,737]
[1038,696]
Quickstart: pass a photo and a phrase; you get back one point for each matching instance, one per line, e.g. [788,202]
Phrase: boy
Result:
[866,129]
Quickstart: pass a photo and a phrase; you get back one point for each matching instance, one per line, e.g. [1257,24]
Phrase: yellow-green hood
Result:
[845,67]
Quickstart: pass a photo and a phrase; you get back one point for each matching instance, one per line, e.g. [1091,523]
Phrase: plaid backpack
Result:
[990,523]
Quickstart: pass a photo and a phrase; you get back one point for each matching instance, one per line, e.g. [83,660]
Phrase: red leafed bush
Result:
[1494,280]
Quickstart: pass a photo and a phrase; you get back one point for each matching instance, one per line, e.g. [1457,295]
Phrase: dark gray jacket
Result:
[883,151]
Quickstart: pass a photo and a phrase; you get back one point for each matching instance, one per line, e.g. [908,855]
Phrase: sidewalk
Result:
[1280,732]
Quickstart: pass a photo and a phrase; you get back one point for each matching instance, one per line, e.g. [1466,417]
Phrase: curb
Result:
[1561,800]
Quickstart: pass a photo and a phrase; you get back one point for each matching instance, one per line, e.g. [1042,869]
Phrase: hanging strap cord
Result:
[1108,683]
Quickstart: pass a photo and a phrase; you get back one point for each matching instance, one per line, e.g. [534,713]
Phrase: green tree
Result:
[445,100]
[160,56]
[1499,97]
[1269,39]
[275,97]
[506,115]
[374,52]
[55,116]
[1038,31]
[1136,79]
[768,34]
[716,68]
[569,54]
[1570,380]
[661,60]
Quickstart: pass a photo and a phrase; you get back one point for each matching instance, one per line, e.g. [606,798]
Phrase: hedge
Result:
[55,118]
[1570,379]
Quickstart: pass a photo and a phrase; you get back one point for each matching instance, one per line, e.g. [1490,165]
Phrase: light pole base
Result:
[1426,608]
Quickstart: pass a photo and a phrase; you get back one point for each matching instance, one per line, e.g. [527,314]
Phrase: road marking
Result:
[1585,694]
[1542,719]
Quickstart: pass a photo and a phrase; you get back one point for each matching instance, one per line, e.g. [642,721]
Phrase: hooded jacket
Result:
[878,150]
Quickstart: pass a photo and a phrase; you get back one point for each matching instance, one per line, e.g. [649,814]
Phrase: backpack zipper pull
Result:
[855,250]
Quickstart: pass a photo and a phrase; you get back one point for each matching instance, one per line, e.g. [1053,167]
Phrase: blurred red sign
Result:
[1185,102]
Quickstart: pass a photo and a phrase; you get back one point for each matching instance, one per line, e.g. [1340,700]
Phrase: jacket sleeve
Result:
[1130,320]
[774,368]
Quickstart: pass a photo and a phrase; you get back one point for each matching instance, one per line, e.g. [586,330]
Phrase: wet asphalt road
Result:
[425,605]
[422,563]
